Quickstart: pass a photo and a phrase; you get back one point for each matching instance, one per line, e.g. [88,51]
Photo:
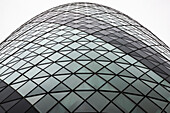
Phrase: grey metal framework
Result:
[84,57]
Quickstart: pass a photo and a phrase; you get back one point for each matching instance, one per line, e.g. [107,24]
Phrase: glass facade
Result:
[84,57]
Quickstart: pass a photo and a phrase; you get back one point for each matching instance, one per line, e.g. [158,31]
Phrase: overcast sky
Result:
[153,14]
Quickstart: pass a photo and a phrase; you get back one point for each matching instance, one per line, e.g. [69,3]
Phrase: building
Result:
[84,57]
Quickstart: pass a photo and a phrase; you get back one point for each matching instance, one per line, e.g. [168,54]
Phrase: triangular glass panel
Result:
[66,40]
[39,80]
[61,77]
[83,51]
[62,71]
[85,107]
[84,86]
[151,84]
[105,71]
[110,95]
[126,73]
[108,87]
[58,109]
[45,61]
[103,63]
[123,65]
[66,49]
[155,95]
[119,54]
[60,87]
[22,78]
[162,104]
[83,57]
[34,99]
[84,94]
[110,108]
[24,70]
[84,76]
[138,110]
[16,86]
[135,98]
[139,64]
[101,52]
[63,63]
[46,54]
[83,62]
[37,90]
[106,77]
[146,77]
[84,70]
[8,105]
[13,96]
[128,79]
[64,59]
[83,48]
[101,48]
[59,95]
[43,66]
[83,40]
[41,74]
[121,61]
[142,69]
[130,89]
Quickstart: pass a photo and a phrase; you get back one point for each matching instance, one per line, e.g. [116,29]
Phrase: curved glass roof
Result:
[84,57]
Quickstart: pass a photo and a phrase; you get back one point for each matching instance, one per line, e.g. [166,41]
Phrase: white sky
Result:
[153,14]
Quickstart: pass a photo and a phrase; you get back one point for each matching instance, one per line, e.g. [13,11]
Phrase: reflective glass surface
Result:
[84,57]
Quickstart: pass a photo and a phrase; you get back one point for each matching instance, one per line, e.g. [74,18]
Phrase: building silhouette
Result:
[84,57]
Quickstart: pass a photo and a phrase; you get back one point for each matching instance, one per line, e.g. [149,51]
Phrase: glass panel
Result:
[73,66]
[147,105]
[118,83]
[129,59]
[11,77]
[98,101]
[32,72]
[91,45]
[49,84]
[154,76]
[72,81]
[141,87]
[26,88]
[111,56]
[45,104]
[108,46]
[115,68]
[57,47]
[19,64]
[71,101]
[95,81]
[53,68]
[37,59]
[74,54]
[92,55]
[124,103]
[94,66]
[74,45]
[163,92]
[136,72]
